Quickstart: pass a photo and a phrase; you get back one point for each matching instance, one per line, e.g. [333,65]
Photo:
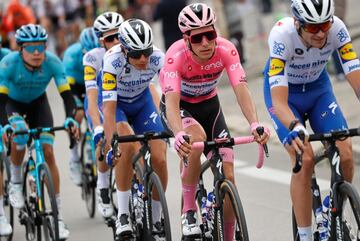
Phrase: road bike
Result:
[88,172]
[212,216]
[141,201]
[40,213]
[343,215]
[5,170]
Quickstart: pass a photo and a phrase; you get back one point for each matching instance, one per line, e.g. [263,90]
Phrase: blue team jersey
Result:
[73,63]
[3,52]
[23,85]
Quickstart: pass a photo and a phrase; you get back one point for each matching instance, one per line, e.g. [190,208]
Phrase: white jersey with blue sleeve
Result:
[292,62]
[92,62]
[122,81]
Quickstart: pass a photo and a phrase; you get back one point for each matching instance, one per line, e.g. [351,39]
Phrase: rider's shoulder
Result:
[113,51]
[177,51]
[284,26]
[11,59]
[73,49]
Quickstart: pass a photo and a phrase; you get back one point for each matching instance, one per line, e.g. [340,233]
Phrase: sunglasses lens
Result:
[197,38]
[31,48]
[111,38]
[138,53]
[315,28]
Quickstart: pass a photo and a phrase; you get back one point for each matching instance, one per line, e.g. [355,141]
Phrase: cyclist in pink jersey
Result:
[190,105]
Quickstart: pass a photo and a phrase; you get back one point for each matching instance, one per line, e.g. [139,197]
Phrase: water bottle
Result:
[320,224]
[325,211]
[209,214]
[31,179]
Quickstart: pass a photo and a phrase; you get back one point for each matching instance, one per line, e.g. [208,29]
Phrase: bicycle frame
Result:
[332,153]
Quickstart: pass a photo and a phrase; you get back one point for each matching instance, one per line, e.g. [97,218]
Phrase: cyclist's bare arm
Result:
[354,80]
[155,96]
[92,95]
[109,109]
[245,102]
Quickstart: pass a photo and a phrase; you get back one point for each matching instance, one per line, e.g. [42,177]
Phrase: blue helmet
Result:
[88,39]
[31,33]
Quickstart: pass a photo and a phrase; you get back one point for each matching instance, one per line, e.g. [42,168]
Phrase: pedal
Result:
[192,238]
[110,221]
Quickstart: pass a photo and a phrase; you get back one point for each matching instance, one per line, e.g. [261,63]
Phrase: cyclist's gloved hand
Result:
[182,147]
[18,123]
[293,138]
[73,126]
[98,134]
[110,157]
[264,137]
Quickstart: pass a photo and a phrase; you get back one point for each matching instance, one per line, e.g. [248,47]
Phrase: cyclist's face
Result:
[33,53]
[109,39]
[202,41]
[317,36]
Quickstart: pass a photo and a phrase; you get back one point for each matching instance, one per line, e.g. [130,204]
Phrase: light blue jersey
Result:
[3,52]
[73,64]
[23,85]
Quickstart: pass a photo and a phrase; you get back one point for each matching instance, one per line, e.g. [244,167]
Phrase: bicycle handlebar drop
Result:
[228,142]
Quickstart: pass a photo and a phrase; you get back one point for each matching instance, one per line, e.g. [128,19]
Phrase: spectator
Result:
[167,11]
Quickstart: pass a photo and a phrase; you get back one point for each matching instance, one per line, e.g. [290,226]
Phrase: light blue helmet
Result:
[31,33]
[88,39]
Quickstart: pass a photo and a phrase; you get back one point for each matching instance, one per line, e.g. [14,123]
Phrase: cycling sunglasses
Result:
[315,28]
[136,54]
[31,48]
[197,38]
[111,38]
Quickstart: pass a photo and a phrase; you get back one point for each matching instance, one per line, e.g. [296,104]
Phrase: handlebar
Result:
[331,136]
[228,142]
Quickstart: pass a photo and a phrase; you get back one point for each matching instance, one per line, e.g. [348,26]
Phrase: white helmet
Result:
[196,15]
[107,21]
[135,34]
[313,11]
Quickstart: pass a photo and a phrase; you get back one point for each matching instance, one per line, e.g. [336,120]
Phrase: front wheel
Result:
[229,191]
[9,210]
[47,206]
[349,201]
[162,228]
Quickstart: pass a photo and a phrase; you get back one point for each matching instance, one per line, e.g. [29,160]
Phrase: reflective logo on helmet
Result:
[276,67]
[109,82]
[89,73]
[347,53]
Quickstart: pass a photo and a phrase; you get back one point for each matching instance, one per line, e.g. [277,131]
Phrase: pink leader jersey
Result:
[197,82]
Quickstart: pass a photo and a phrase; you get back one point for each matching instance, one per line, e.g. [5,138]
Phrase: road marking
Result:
[274,175]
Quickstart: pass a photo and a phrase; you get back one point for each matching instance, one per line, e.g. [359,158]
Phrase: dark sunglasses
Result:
[31,48]
[111,38]
[315,28]
[136,54]
[197,38]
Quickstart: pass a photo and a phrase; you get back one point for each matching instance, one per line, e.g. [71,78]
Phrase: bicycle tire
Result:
[88,177]
[9,210]
[241,231]
[154,182]
[50,221]
[32,220]
[348,195]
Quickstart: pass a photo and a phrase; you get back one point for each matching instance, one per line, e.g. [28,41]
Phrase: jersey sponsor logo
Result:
[234,66]
[116,63]
[170,61]
[274,82]
[299,51]
[215,65]
[342,35]
[90,58]
[90,73]
[333,107]
[155,60]
[276,67]
[107,95]
[354,67]
[109,81]
[278,48]
[171,75]
[347,53]
[168,89]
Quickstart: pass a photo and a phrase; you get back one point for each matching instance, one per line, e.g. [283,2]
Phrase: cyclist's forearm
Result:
[109,109]
[172,103]
[354,80]
[246,103]
[69,102]
[3,115]
[93,109]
